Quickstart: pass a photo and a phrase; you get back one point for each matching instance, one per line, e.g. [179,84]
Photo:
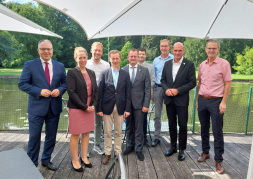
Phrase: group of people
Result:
[103,96]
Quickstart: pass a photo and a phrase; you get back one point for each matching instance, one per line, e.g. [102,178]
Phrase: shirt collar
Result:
[113,70]
[43,61]
[180,61]
[100,61]
[133,66]
[215,61]
[168,58]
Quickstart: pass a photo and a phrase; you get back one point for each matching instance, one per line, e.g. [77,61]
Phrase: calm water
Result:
[13,105]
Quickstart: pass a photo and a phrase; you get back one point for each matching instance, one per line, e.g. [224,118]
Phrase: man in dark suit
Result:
[140,99]
[178,78]
[114,102]
[44,80]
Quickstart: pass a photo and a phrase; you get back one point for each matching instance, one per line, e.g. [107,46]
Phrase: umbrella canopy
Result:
[11,21]
[189,18]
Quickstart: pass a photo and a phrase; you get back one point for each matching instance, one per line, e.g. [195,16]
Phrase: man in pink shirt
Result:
[213,90]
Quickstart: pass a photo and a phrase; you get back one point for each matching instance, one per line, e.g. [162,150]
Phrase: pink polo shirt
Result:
[213,76]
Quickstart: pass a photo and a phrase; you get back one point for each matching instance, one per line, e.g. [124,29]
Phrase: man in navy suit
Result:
[114,102]
[44,80]
[140,99]
[178,78]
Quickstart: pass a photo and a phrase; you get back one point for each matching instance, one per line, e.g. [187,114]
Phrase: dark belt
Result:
[158,85]
[208,97]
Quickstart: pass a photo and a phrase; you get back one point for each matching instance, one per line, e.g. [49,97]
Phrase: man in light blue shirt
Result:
[158,65]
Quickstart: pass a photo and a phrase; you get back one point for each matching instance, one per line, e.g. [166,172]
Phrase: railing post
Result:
[194,109]
[248,111]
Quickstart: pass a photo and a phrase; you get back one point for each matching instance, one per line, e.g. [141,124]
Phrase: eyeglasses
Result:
[45,49]
[164,46]
[212,48]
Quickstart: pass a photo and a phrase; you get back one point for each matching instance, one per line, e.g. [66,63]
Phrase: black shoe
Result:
[146,143]
[49,165]
[155,142]
[170,152]
[128,150]
[181,156]
[140,156]
[77,169]
[86,165]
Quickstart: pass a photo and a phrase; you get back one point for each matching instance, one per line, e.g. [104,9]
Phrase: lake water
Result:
[13,106]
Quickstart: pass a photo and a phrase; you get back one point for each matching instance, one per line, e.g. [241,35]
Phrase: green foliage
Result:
[195,50]
[124,52]
[7,49]
[245,62]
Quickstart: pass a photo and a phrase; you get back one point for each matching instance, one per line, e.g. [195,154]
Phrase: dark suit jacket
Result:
[77,89]
[141,88]
[33,80]
[109,96]
[184,82]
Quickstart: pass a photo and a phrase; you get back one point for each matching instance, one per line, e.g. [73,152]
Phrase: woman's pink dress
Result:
[81,121]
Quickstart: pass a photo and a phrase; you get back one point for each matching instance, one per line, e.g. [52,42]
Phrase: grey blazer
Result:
[141,88]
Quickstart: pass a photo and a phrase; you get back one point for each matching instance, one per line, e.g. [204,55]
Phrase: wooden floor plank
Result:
[155,165]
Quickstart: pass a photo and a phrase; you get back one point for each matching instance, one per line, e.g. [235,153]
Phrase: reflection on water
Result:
[13,108]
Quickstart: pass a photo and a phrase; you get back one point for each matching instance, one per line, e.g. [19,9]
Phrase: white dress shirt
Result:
[175,67]
[130,71]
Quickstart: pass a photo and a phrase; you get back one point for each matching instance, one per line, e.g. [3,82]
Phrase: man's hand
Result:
[100,113]
[168,92]
[55,93]
[222,107]
[144,109]
[45,93]
[126,114]
[174,91]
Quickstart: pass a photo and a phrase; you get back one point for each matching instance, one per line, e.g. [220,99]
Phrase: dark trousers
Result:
[180,114]
[134,129]
[35,127]
[145,124]
[207,109]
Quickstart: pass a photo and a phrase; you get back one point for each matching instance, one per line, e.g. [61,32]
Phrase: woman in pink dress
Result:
[82,91]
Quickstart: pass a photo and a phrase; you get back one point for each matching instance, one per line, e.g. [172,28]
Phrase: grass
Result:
[17,72]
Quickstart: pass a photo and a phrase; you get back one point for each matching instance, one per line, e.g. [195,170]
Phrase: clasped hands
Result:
[171,92]
[90,109]
[47,93]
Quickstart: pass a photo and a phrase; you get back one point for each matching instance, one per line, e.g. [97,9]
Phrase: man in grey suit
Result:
[140,99]
[141,61]
[178,78]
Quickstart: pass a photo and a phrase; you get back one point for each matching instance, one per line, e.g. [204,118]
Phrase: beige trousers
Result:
[109,120]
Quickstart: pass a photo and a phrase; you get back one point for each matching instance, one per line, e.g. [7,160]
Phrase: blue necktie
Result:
[133,75]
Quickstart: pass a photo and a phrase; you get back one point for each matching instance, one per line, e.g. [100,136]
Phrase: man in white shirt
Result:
[97,65]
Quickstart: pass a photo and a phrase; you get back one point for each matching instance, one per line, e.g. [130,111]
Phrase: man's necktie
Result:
[133,75]
[47,73]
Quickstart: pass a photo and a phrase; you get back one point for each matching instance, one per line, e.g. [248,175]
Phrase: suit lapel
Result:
[170,69]
[80,76]
[138,73]
[54,72]
[40,67]
[110,77]
[179,73]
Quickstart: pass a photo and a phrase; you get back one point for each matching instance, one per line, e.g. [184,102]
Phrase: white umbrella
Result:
[11,21]
[189,18]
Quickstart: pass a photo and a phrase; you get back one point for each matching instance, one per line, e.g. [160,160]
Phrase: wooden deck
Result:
[155,165]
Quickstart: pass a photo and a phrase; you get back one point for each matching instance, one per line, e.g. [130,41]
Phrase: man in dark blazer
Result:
[44,80]
[114,102]
[140,99]
[178,78]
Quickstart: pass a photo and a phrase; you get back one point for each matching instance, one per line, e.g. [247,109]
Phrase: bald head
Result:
[178,51]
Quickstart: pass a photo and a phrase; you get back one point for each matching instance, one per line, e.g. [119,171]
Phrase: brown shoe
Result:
[106,159]
[219,167]
[203,157]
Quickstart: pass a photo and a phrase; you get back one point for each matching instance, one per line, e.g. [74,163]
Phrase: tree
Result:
[124,52]
[7,49]
[245,62]
[195,50]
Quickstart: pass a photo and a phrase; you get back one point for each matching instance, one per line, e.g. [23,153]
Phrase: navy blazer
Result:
[33,80]
[185,80]
[77,89]
[109,96]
